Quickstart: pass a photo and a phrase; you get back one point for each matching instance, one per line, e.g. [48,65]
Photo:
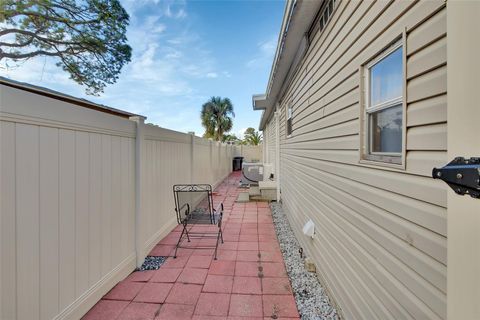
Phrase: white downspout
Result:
[264,147]
[277,152]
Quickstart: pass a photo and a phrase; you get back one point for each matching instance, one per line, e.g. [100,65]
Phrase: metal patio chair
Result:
[194,206]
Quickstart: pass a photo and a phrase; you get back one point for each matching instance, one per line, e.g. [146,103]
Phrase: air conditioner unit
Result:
[252,173]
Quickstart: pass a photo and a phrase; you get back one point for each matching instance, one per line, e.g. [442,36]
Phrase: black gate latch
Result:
[462,175]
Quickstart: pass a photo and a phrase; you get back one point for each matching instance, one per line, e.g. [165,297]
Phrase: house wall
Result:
[270,140]
[69,223]
[380,243]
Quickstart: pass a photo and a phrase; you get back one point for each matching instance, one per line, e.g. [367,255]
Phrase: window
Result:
[289,120]
[384,106]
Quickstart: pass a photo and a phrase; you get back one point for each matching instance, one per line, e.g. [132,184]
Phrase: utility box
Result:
[268,190]
[267,171]
[252,173]
[310,265]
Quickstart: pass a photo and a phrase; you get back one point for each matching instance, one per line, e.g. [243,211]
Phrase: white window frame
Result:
[289,117]
[392,159]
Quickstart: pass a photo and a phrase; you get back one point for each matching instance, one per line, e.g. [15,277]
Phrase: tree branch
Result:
[50,18]
[36,36]
[88,37]
[28,55]
[17,45]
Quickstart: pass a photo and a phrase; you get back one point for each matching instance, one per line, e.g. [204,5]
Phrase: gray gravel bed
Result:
[312,300]
[152,263]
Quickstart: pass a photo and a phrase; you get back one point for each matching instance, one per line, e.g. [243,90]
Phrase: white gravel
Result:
[312,300]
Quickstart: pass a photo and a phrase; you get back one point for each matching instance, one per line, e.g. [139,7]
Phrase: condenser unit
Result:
[252,173]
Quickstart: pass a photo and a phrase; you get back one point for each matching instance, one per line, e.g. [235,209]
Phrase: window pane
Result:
[386,78]
[386,130]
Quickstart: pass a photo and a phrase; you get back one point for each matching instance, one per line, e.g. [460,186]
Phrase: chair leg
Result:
[221,235]
[185,224]
[184,231]
[216,245]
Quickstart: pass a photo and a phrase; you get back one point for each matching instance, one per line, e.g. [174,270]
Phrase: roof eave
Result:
[298,17]
[258,101]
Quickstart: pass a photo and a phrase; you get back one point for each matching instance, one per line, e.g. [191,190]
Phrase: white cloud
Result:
[172,53]
[268,47]
[174,13]
[181,14]
[184,39]
[168,12]
[241,133]
[212,75]
[168,8]
[35,71]
[159,28]
[146,59]
[167,58]
[264,56]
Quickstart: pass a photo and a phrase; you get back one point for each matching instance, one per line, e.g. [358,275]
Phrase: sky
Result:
[184,52]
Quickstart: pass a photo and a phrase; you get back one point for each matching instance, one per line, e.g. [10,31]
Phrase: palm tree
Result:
[230,138]
[216,118]
[252,137]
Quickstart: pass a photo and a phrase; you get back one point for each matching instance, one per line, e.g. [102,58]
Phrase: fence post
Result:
[192,158]
[139,173]
[210,143]
[232,154]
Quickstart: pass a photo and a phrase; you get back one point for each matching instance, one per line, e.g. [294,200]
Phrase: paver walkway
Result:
[248,281]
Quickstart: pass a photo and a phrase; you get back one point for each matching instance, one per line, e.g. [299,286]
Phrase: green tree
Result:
[217,117]
[252,137]
[230,138]
[87,36]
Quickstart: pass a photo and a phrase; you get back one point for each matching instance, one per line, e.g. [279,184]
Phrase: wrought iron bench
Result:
[194,206]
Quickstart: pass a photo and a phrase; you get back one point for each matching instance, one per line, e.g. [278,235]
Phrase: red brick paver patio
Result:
[248,281]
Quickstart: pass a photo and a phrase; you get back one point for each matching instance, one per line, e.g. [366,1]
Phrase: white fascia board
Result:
[298,17]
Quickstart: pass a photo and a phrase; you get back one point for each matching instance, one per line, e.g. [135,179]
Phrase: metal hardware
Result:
[462,175]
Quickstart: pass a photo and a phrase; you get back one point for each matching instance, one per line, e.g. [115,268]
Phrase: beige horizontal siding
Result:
[432,137]
[380,244]
[349,142]
[395,276]
[429,58]
[270,141]
[433,110]
[427,85]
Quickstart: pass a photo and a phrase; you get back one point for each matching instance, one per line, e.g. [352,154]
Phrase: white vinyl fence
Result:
[249,153]
[84,196]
